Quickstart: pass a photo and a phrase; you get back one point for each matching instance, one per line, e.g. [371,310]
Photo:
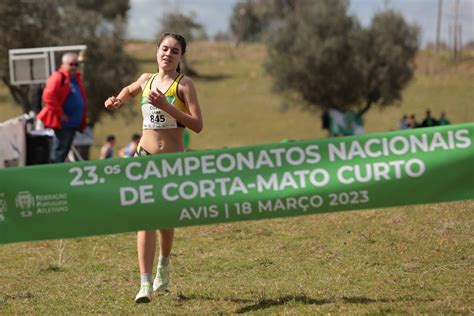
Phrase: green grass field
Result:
[405,260]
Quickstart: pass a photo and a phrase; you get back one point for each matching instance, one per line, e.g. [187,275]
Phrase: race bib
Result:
[155,118]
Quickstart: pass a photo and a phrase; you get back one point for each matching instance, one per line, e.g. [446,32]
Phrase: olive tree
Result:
[324,56]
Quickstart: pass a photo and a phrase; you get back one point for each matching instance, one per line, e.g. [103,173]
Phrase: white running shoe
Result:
[162,279]
[144,295]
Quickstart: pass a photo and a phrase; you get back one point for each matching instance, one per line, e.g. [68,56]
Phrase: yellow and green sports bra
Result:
[155,118]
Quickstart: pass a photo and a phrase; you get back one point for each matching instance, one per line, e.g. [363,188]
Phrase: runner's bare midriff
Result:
[157,141]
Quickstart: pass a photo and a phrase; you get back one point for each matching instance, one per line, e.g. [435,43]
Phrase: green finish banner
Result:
[423,165]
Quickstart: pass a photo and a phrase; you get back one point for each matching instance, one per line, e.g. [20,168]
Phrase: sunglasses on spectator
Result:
[74,64]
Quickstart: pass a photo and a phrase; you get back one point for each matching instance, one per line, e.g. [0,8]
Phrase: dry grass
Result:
[240,108]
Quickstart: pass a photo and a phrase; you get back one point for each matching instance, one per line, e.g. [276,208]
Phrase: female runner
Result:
[169,104]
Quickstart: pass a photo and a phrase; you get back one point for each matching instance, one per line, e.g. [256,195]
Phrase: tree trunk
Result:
[188,70]
[20,95]
[366,108]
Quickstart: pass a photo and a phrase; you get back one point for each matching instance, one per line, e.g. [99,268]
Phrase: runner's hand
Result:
[158,99]
[112,103]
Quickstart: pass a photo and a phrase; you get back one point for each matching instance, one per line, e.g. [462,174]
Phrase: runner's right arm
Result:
[127,93]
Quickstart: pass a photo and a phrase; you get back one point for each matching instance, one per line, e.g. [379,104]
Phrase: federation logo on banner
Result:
[25,202]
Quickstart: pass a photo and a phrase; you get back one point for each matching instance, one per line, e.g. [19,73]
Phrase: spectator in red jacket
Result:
[64,109]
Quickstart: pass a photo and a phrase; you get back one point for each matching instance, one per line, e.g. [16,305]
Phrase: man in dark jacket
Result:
[64,109]
[428,121]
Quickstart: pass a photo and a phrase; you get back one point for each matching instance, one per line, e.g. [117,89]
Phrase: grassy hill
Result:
[240,108]
[406,260]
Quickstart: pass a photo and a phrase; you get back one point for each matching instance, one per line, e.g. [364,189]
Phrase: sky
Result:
[144,15]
